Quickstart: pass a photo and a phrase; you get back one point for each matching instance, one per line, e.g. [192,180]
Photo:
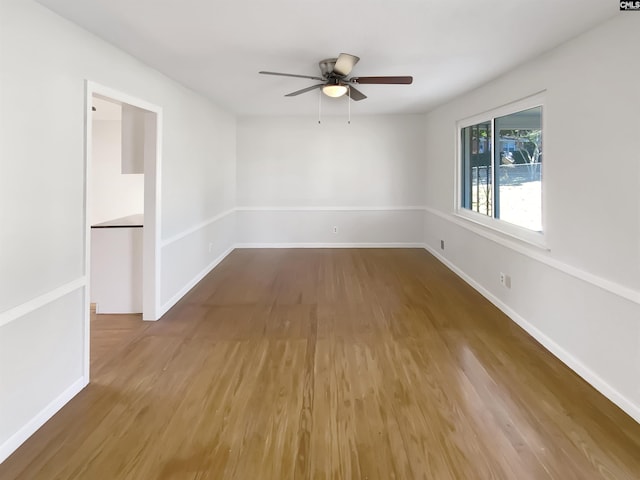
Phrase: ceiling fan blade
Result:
[304,90]
[344,64]
[291,75]
[355,94]
[383,80]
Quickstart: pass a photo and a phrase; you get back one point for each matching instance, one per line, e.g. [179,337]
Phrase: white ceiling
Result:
[217,47]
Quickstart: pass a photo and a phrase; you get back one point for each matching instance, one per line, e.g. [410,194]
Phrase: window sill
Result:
[483,225]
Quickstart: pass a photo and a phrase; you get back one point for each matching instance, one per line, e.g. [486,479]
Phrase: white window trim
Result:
[522,234]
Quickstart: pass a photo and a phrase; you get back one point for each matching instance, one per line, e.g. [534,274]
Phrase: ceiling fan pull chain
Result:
[349,102]
[319,105]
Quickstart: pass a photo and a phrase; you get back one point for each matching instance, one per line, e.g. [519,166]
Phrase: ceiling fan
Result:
[335,81]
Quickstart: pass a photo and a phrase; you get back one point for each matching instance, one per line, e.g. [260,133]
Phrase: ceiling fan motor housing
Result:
[326,67]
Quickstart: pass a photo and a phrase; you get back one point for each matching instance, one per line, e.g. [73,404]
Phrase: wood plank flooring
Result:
[329,364]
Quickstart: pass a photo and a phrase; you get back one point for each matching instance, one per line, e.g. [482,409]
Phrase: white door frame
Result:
[151,231]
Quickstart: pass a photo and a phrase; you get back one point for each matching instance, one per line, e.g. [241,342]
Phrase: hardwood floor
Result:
[342,364]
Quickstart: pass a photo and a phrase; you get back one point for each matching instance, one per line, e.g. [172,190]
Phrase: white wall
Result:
[582,297]
[44,63]
[113,194]
[297,179]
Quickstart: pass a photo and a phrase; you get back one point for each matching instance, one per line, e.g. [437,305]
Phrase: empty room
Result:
[319,240]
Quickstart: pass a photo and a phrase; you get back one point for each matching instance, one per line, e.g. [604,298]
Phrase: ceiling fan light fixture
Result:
[334,91]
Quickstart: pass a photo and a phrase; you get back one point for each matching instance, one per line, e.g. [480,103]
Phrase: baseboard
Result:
[330,245]
[18,438]
[344,208]
[559,352]
[173,300]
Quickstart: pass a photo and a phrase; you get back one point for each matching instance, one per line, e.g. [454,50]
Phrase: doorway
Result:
[146,120]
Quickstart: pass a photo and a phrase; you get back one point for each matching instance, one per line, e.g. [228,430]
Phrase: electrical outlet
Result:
[441,244]
[505,280]
[210,246]
[335,229]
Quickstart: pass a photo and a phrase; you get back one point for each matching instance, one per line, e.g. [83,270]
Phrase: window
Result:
[501,169]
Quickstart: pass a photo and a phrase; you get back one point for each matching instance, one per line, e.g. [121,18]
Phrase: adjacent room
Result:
[319,240]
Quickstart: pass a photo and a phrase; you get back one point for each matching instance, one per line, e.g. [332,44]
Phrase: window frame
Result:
[523,234]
